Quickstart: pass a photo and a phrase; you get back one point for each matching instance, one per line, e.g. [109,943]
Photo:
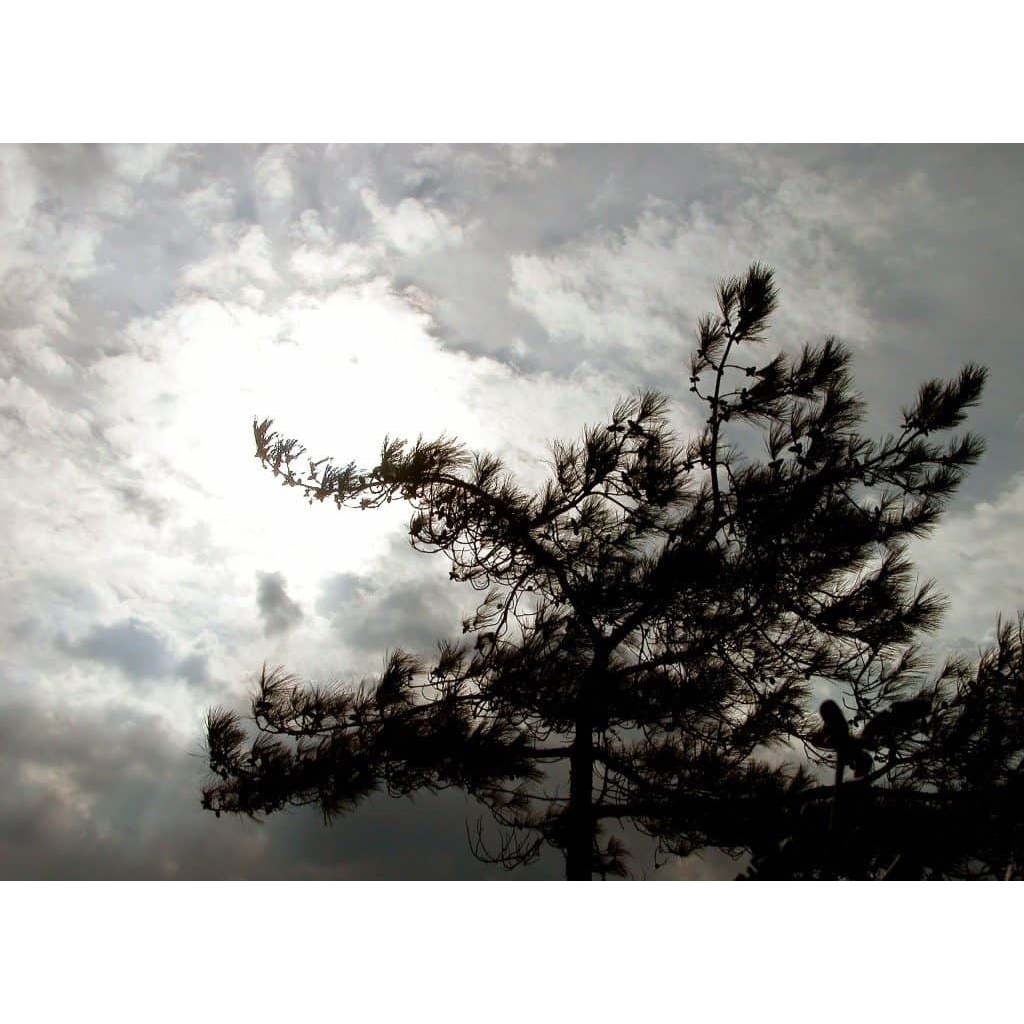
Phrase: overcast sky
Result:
[153,300]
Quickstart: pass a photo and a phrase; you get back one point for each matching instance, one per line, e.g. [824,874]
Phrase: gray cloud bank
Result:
[112,796]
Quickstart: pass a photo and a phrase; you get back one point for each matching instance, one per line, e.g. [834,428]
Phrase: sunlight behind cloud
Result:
[338,372]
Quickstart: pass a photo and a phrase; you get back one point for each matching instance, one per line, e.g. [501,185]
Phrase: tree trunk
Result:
[579,848]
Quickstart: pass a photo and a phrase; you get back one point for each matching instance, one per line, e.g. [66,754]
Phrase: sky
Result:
[154,299]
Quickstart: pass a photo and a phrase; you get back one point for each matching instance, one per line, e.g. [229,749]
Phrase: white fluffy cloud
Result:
[636,290]
[240,267]
[411,226]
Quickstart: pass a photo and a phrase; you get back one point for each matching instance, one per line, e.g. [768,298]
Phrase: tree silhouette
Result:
[658,622]
[938,791]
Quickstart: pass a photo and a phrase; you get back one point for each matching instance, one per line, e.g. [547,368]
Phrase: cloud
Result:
[116,796]
[404,598]
[194,668]
[629,297]
[105,797]
[138,650]
[136,163]
[411,226]
[241,266]
[46,254]
[321,261]
[976,558]
[278,611]
[375,613]
[210,202]
[273,176]
[132,646]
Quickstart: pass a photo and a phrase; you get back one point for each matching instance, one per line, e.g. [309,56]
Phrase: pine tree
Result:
[658,622]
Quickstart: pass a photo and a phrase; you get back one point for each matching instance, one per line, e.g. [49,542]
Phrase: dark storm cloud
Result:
[114,796]
[278,611]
